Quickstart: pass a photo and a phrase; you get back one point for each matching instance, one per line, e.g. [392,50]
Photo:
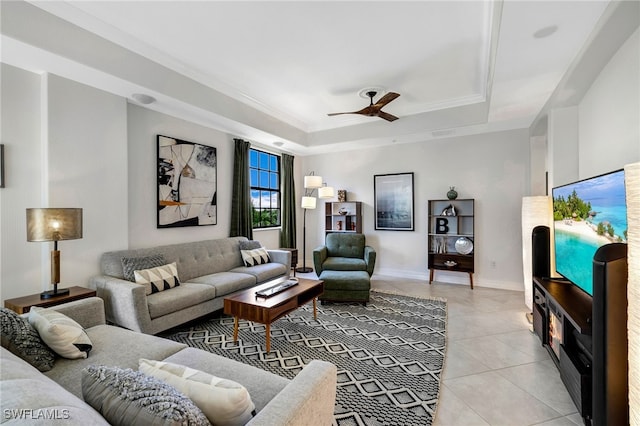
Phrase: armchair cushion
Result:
[344,252]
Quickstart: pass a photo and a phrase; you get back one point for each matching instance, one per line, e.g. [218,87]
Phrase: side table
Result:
[23,304]
[294,258]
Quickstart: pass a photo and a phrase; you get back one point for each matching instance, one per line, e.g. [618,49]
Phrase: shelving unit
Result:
[451,235]
[349,221]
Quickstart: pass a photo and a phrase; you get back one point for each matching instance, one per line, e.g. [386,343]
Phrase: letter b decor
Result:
[442,225]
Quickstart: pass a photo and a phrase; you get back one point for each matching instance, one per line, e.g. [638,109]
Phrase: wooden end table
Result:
[23,304]
[245,305]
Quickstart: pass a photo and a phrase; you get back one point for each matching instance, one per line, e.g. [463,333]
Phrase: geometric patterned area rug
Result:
[389,353]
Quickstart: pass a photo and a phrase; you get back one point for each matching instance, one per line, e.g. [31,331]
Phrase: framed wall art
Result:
[393,201]
[1,165]
[187,183]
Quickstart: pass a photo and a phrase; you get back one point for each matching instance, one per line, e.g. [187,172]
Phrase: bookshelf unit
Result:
[348,221]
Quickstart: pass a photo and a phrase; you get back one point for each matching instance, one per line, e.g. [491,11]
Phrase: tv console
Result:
[586,336]
[562,321]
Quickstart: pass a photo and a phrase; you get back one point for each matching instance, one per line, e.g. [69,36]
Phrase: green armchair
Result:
[345,263]
[344,252]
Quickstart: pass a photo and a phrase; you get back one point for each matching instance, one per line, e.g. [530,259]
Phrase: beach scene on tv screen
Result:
[587,215]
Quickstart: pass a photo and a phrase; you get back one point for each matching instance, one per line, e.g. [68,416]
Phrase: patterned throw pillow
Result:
[249,245]
[127,397]
[131,264]
[223,401]
[255,257]
[62,334]
[158,279]
[20,338]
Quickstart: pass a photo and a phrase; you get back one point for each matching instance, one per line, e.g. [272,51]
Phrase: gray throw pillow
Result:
[20,338]
[250,245]
[127,397]
[130,264]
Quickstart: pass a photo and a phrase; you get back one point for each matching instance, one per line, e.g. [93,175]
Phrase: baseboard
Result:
[451,278]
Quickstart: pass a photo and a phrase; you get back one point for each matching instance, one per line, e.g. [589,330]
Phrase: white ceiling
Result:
[460,66]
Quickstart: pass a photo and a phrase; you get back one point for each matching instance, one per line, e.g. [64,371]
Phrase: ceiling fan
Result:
[375,110]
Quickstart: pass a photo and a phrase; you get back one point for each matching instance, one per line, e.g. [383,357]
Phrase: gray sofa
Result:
[208,270]
[308,398]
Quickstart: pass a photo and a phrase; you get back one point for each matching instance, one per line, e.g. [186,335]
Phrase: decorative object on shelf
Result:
[353,226]
[464,245]
[393,201]
[311,183]
[450,210]
[342,195]
[187,183]
[450,263]
[52,224]
[343,211]
[339,225]
[452,194]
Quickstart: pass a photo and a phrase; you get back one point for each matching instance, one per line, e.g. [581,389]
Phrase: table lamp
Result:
[54,225]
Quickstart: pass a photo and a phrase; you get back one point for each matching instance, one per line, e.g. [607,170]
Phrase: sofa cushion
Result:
[227,282]
[249,245]
[128,397]
[223,401]
[258,256]
[131,264]
[344,264]
[25,390]
[179,298]
[112,346]
[21,339]
[262,385]
[264,272]
[158,279]
[62,334]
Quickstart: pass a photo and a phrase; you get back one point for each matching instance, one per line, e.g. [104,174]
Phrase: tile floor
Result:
[496,371]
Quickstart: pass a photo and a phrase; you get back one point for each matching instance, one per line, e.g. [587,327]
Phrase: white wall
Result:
[609,114]
[492,168]
[77,160]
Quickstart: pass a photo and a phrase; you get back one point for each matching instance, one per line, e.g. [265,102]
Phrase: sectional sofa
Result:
[208,271]
[56,396]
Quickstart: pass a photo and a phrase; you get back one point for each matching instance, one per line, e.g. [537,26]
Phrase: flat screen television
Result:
[586,215]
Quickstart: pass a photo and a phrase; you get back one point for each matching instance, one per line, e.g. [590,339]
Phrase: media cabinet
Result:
[587,336]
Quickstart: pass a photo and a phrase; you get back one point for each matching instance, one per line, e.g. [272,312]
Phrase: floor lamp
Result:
[311,183]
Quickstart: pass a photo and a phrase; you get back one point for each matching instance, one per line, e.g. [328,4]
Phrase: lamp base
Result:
[304,270]
[54,293]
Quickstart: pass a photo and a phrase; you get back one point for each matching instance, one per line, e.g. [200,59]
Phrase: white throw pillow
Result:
[158,279]
[255,257]
[224,402]
[62,334]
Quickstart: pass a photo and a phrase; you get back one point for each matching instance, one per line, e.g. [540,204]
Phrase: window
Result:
[264,170]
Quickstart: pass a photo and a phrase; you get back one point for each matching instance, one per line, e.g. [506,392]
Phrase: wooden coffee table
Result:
[245,305]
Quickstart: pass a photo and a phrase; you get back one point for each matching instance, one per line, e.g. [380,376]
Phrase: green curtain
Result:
[288,230]
[241,209]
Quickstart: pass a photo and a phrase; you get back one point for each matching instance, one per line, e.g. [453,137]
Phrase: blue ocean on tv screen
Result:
[575,248]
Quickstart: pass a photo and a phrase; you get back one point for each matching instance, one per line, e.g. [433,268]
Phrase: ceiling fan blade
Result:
[387,116]
[386,99]
[364,111]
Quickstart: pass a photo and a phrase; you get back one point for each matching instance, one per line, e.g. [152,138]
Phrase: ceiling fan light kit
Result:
[374,110]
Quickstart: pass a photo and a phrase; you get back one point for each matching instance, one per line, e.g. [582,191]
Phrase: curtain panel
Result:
[241,209]
[288,220]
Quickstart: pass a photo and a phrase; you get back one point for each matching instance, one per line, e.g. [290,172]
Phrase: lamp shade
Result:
[54,224]
[313,181]
[325,192]
[536,210]
[308,202]
[632,185]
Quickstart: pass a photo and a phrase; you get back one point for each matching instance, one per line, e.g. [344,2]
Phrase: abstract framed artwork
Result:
[187,183]
[393,202]
[1,165]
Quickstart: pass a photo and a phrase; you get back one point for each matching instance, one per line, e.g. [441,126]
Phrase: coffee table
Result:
[245,305]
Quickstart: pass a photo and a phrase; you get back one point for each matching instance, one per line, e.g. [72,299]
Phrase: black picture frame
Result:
[1,165]
[394,202]
[186,183]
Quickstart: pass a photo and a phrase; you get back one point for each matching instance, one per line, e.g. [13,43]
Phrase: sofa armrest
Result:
[319,256]
[309,399]
[86,312]
[125,302]
[281,256]
[370,259]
